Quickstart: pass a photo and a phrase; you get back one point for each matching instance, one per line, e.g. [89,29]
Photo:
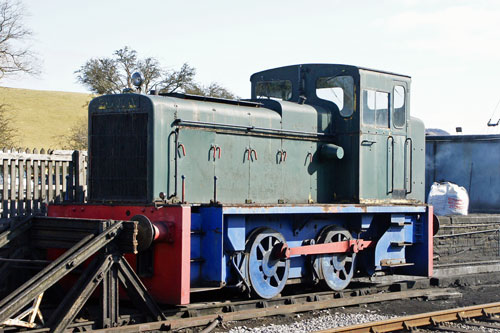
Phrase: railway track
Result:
[437,320]
[307,302]
[211,313]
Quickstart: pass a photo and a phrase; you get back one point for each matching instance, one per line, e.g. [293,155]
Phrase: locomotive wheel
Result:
[267,274]
[336,270]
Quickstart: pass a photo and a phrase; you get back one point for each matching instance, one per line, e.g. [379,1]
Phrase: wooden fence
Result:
[29,180]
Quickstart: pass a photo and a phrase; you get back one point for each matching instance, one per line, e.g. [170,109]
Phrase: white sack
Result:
[448,199]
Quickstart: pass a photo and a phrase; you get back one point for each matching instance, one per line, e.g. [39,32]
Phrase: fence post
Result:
[70,189]
[43,181]
[29,187]
[79,176]
[50,182]
[36,186]
[5,190]
[13,188]
[20,190]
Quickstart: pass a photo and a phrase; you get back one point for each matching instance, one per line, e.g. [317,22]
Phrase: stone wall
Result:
[470,238]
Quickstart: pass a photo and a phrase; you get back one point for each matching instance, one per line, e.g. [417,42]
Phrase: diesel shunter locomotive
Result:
[319,177]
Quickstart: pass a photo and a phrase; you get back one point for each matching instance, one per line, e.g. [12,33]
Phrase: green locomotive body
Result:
[313,133]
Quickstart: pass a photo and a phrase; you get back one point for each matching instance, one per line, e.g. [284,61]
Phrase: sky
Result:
[450,48]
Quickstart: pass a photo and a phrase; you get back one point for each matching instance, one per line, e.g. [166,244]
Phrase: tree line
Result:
[101,75]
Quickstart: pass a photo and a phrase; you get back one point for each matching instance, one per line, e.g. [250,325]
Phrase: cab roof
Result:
[317,67]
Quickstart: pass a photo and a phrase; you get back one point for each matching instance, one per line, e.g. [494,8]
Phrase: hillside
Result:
[41,117]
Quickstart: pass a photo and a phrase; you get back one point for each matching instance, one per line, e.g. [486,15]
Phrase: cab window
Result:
[280,90]
[339,90]
[399,113]
[376,108]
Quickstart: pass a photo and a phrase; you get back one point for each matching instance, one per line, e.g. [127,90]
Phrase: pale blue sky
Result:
[451,48]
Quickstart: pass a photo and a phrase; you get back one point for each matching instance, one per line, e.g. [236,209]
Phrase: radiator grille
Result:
[118,156]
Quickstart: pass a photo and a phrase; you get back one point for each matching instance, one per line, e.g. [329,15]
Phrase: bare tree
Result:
[15,58]
[15,54]
[212,90]
[101,76]
[77,137]
[127,60]
[8,134]
[177,81]
[112,75]
[151,72]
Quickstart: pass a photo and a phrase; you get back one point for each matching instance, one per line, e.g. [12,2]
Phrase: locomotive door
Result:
[195,165]
[383,143]
[297,166]
[400,178]
[231,167]
[265,183]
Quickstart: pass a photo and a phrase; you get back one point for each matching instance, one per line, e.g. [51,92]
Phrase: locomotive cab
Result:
[368,114]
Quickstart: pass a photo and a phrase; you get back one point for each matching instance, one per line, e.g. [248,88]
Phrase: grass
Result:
[40,117]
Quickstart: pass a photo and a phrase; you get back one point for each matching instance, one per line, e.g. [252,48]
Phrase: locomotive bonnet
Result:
[318,178]
[314,133]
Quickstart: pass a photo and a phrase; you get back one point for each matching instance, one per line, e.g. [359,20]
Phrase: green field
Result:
[42,117]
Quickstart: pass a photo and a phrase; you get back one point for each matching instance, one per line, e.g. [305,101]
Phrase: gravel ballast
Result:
[324,320]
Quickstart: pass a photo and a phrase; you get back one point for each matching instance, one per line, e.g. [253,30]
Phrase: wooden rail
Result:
[29,180]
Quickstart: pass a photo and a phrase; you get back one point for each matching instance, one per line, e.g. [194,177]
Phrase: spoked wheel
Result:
[266,273]
[335,269]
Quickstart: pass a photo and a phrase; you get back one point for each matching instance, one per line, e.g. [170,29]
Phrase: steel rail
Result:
[425,319]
